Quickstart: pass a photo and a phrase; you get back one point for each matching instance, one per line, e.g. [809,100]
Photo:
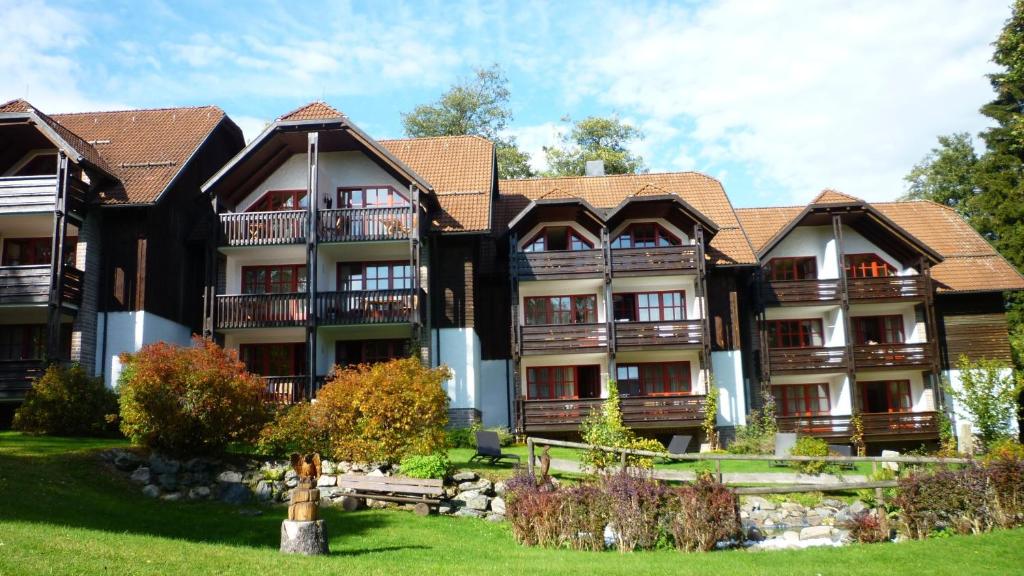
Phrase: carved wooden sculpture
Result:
[305,501]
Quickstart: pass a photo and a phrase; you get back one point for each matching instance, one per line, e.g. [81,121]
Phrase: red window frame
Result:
[574,241]
[559,382]
[275,200]
[268,284]
[868,265]
[659,233]
[627,306]
[792,268]
[394,198]
[258,358]
[38,250]
[797,328]
[898,390]
[805,397]
[654,378]
[889,326]
[590,315]
[391,282]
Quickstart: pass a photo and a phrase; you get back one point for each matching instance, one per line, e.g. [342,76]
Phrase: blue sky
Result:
[776,99]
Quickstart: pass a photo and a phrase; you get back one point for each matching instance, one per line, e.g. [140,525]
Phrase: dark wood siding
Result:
[454,274]
[493,300]
[973,325]
[723,310]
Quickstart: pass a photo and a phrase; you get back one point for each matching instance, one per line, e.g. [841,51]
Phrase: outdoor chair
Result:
[679,444]
[784,442]
[842,450]
[488,447]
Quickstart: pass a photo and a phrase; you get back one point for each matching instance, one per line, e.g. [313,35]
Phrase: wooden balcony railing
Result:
[807,360]
[74,283]
[264,228]
[877,425]
[637,412]
[361,224]
[16,377]
[31,285]
[26,194]
[783,292]
[261,310]
[887,288]
[559,265]
[365,307]
[551,339]
[892,355]
[284,389]
[633,335]
[648,261]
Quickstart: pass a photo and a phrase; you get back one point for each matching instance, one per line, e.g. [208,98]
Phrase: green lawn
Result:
[62,513]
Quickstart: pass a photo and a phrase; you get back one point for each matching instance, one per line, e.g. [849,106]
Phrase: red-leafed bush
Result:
[867,528]
[635,505]
[193,399]
[702,514]
[957,501]
[583,514]
[533,511]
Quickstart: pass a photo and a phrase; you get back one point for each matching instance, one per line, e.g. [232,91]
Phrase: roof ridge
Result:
[159,109]
[445,137]
[334,112]
[630,175]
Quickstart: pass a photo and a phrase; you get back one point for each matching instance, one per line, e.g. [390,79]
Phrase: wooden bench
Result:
[423,493]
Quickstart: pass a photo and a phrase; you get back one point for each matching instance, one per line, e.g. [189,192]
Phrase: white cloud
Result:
[804,94]
[533,139]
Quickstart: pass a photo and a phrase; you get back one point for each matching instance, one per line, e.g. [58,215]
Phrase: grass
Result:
[61,512]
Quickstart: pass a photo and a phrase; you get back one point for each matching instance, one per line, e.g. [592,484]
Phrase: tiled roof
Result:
[461,170]
[145,149]
[315,110]
[829,196]
[16,105]
[970,264]
[705,194]
[85,149]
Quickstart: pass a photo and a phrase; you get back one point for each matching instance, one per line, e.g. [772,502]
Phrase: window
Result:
[888,396]
[35,251]
[370,197]
[867,266]
[645,235]
[653,379]
[279,359]
[795,333]
[348,353]
[374,276]
[276,279]
[551,382]
[802,399]
[800,268]
[278,200]
[650,306]
[541,310]
[44,164]
[878,329]
[23,342]
[557,238]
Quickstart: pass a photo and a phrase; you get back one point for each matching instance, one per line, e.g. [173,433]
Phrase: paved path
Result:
[730,477]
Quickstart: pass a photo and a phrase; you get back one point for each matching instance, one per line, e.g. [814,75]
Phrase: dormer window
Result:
[799,268]
[557,238]
[371,197]
[645,235]
[280,200]
[868,266]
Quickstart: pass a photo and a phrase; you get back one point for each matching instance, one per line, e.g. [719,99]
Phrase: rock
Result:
[482,485]
[264,491]
[840,535]
[376,473]
[813,520]
[792,507]
[755,534]
[469,513]
[201,477]
[894,466]
[376,504]
[124,460]
[229,476]
[161,464]
[199,493]
[445,510]
[479,502]
[327,467]
[759,515]
[306,538]
[252,477]
[197,465]
[832,503]
[823,512]
[465,477]
[815,532]
[461,498]
[235,493]
[791,536]
[168,481]
[495,518]
[856,508]
[141,475]
[498,505]
[351,503]
[187,479]
[499,488]
[171,496]
[152,491]
[759,503]
[326,481]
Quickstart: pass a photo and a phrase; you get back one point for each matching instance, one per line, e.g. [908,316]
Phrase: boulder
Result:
[376,504]
[816,532]
[151,490]
[856,508]
[469,513]
[499,488]
[229,477]
[327,467]
[464,477]
[498,505]
[445,509]
[264,491]
[483,485]
[894,466]
[495,518]
[199,493]
[161,464]
[461,498]
[198,465]
[754,534]
[479,502]
[327,481]
[376,472]
[168,481]
[124,460]
[141,475]
[171,496]
[791,536]
[759,503]
[235,493]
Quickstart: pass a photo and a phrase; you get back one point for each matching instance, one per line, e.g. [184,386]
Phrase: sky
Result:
[778,100]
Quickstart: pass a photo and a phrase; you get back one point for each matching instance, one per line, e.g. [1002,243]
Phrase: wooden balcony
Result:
[562,339]
[654,261]
[284,389]
[657,335]
[637,412]
[800,292]
[890,288]
[365,224]
[881,356]
[30,285]
[264,228]
[365,307]
[807,360]
[562,265]
[261,310]
[877,426]
[27,194]
[16,377]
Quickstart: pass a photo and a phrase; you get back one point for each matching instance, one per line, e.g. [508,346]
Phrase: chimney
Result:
[595,168]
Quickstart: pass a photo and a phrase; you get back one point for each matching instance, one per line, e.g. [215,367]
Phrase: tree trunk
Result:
[307,538]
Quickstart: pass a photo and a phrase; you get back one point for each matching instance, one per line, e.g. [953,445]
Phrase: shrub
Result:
[758,436]
[189,399]
[604,427]
[1005,470]
[1004,449]
[710,423]
[810,446]
[867,528]
[383,412]
[954,500]
[67,402]
[466,437]
[428,466]
[583,514]
[987,396]
[296,428]
[702,514]
[533,510]
[634,509]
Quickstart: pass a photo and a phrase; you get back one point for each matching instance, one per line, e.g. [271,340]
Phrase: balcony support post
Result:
[313,202]
[414,264]
[609,308]
[57,244]
[844,304]
[932,333]
[518,422]
[702,293]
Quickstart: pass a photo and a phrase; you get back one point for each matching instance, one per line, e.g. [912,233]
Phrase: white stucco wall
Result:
[495,391]
[459,349]
[727,366]
[960,418]
[819,242]
[129,332]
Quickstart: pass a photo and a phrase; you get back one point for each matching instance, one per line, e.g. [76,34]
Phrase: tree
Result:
[474,106]
[987,396]
[595,138]
[947,174]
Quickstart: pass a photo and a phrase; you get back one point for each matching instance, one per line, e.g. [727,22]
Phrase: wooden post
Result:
[622,460]
[57,244]
[718,470]
[313,201]
[529,456]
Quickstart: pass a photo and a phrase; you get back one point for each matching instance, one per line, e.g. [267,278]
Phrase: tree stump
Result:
[422,509]
[307,538]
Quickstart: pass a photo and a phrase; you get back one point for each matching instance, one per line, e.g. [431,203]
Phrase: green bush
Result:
[296,428]
[810,446]
[604,427]
[67,402]
[758,436]
[195,399]
[429,466]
